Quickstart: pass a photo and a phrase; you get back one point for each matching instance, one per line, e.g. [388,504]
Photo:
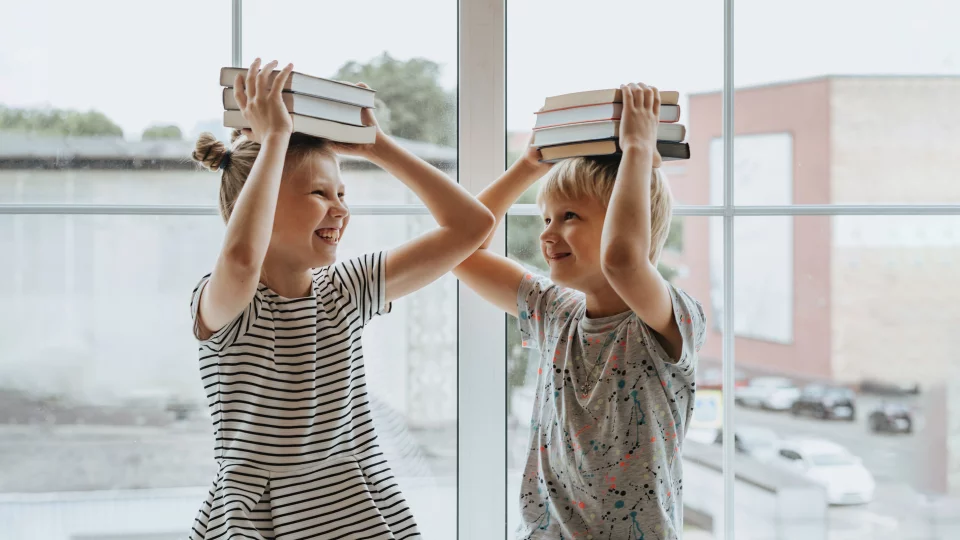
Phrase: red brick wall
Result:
[801,109]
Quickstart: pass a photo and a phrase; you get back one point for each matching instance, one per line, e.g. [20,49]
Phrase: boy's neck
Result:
[604,302]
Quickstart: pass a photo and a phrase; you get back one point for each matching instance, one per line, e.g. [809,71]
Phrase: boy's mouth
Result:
[328,235]
[557,256]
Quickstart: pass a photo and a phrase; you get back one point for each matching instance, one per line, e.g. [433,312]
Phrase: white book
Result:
[337,111]
[302,83]
[592,131]
[596,113]
[317,127]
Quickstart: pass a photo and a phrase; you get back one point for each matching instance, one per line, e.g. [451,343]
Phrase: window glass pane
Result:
[681,49]
[103,416]
[413,67]
[852,102]
[685,262]
[118,89]
[868,430]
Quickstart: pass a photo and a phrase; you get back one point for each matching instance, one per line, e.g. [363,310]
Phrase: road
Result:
[901,509]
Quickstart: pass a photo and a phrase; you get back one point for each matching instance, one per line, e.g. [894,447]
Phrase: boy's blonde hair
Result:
[579,178]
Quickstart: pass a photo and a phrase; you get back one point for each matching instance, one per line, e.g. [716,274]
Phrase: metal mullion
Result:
[728,360]
[185,210]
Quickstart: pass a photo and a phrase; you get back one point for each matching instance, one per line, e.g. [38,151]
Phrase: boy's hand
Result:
[640,119]
[530,159]
[363,150]
[261,102]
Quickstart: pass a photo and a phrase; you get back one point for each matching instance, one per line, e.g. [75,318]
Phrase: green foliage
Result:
[419,108]
[161,132]
[57,122]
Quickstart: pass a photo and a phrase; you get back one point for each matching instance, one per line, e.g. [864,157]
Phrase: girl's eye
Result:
[569,215]
[546,221]
[341,195]
[318,192]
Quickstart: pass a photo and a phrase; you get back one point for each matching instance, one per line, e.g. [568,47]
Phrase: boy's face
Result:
[570,242]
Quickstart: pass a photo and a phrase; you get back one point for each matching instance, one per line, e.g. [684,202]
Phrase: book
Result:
[591,131]
[317,127]
[337,111]
[594,113]
[302,83]
[595,97]
[668,150]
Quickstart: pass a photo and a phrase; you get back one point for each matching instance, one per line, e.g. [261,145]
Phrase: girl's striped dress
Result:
[295,443]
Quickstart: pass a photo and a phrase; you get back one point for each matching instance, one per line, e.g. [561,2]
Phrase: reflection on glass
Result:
[543,61]
[99,389]
[863,410]
[848,104]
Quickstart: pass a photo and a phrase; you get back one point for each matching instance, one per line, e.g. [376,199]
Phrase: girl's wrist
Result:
[273,138]
[379,151]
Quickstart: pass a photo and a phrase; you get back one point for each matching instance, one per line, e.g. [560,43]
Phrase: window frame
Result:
[481,335]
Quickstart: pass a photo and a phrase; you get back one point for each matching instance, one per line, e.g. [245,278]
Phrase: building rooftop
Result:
[27,150]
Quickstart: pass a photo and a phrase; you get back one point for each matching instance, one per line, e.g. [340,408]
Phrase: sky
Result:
[145,63]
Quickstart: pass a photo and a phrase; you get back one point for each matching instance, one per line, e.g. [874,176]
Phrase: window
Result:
[817,203]
[818,225]
[108,227]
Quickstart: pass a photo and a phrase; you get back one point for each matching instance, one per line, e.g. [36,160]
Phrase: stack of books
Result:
[319,107]
[588,124]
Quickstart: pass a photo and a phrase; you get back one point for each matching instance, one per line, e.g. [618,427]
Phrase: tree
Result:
[58,122]
[161,132]
[418,107]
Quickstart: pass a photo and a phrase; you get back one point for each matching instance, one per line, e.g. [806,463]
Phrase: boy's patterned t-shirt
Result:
[609,418]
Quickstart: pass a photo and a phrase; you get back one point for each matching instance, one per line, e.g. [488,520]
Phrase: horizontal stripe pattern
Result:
[295,439]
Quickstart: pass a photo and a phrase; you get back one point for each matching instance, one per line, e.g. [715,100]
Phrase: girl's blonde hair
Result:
[213,155]
[593,177]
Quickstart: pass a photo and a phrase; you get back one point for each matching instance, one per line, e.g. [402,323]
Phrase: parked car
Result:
[712,379]
[777,393]
[842,474]
[823,401]
[757,442]
[891,418]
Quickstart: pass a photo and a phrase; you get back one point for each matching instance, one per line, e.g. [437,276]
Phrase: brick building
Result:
[848,299]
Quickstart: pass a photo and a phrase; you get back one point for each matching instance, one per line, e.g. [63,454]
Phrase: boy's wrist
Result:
[532,170]
[637,147]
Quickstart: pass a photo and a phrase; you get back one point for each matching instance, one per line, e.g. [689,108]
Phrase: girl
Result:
[279,325]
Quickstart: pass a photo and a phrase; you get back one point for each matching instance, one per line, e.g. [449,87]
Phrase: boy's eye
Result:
[569,215]
[319,192]
[546,221]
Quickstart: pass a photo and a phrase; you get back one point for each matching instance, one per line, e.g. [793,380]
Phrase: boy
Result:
[618,344]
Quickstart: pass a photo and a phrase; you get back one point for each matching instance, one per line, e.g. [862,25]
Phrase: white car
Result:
[842,474]
[777,393]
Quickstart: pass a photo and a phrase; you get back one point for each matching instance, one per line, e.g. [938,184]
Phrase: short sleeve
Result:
[362,281]
[232,331]
[539,301]
[693,327]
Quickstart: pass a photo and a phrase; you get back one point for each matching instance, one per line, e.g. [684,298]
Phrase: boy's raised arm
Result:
[492,276]
[626,240]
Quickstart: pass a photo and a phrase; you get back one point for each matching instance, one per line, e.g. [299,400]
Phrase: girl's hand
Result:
[261,102]
[363,150]
[640,118]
